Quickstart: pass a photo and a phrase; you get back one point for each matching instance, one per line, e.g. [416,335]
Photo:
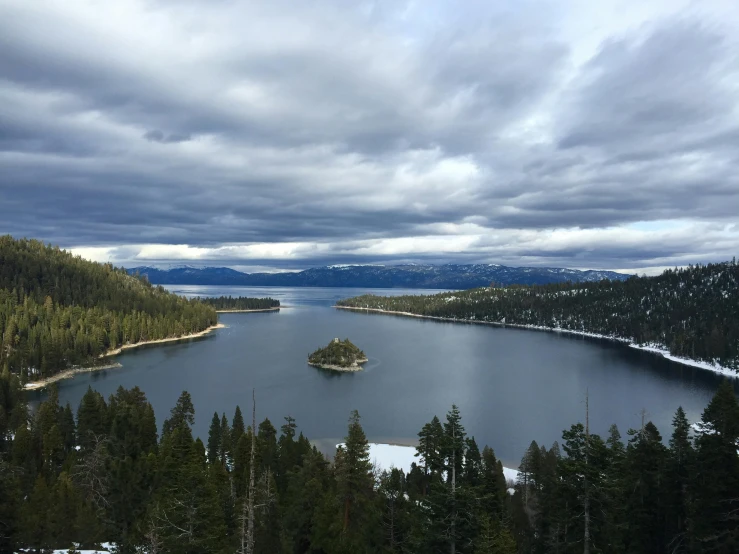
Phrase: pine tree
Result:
[225,454]
[181,416]
[452,505]
[644,486]
[214,439]
[355,483]
[493,485]
[237,427]
[430,451]
[717,477]
[678,479]
[494,538]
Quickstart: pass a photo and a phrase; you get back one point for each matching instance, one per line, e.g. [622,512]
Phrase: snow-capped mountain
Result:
[447,276]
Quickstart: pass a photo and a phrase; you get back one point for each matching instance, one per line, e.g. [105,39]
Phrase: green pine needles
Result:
[339,355]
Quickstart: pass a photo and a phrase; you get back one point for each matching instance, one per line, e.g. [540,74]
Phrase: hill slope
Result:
[693,312]
[58,310]
[448,276]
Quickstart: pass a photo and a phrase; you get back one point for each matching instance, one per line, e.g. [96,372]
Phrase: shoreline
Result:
[652,348]
[68,373]
[202,333]
[356,366]
[275,309]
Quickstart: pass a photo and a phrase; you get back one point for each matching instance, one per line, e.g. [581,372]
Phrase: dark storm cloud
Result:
[379,132]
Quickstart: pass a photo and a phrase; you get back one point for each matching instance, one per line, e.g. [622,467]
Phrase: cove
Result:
[511,385]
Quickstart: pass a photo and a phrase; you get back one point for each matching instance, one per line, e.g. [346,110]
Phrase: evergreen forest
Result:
[59,311]
[692,312]
[227,303]
[107,474]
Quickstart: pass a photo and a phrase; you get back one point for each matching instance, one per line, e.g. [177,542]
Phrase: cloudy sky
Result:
[284,134]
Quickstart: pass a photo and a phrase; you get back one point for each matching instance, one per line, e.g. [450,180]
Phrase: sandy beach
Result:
[66,374]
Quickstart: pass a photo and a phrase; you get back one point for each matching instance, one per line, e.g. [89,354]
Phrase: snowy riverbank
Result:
[654,349]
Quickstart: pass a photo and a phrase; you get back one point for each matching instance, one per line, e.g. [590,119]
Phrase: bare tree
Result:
[90,473]
[247,511]
[250,524]
[153,542]
[586,500]
[453,544]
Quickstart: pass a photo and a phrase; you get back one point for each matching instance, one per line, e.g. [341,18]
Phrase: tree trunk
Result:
[586,502]
[250,501]
[453,545]
[347,503]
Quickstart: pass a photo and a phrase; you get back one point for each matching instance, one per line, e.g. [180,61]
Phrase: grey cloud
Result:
[331,124]
[668,87]
[156,135]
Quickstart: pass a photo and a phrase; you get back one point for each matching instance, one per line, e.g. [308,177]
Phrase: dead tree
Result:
[90,473]
[586,490]
[247,510]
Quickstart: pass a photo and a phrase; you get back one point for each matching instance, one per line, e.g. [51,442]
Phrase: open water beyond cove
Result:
[511,385]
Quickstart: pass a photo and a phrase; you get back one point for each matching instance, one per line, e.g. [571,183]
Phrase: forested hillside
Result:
[693,312]
[106,475]
[227,303]
[58,310]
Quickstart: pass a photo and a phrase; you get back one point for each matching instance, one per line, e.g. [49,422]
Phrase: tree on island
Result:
[339,354]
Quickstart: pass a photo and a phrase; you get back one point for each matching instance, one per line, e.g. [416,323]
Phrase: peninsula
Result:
[338,356]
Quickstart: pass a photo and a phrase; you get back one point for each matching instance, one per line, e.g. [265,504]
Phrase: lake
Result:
[511,385]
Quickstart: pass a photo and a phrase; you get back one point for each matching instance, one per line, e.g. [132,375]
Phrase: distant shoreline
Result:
[652,348]
[275,309]
[69,373]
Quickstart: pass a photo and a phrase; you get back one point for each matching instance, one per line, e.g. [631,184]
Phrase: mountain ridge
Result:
[457,276]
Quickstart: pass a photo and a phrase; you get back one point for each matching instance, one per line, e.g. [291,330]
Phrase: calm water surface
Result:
[512,385]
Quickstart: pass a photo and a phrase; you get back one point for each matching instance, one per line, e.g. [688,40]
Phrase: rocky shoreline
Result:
[355,366]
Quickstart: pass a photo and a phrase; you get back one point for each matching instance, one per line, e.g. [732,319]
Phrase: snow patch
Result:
[105,548]
[386,456]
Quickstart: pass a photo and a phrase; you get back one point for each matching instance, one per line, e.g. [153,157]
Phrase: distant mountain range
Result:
[448,276]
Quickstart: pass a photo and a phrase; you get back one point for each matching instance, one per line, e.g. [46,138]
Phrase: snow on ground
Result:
[386,456]
[655,349]
[510,474]
[106,548]
[718,368]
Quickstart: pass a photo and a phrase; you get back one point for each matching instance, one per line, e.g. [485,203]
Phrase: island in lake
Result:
[339,356]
